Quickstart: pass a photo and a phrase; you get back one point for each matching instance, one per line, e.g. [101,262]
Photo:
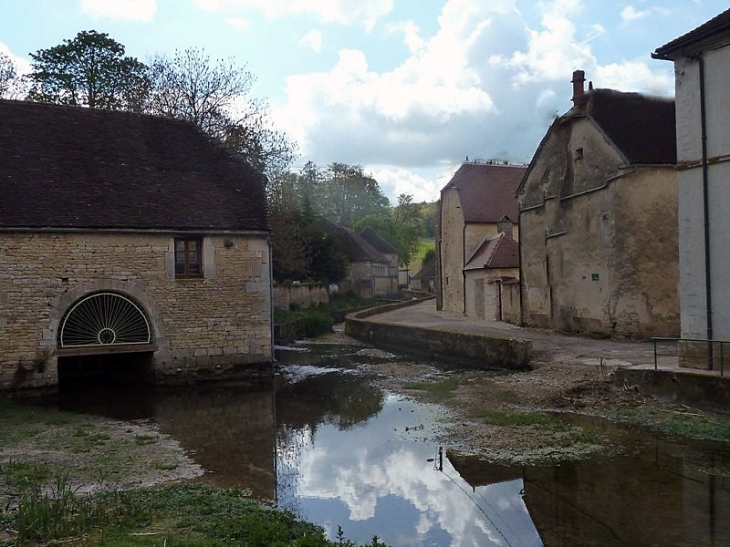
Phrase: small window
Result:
[578,153]
[188,257]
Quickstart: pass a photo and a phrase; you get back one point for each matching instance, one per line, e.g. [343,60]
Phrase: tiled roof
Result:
[357,249]
[80,168]
[377,241]
[487,191]
[642,127]
[496,251]
[693,39]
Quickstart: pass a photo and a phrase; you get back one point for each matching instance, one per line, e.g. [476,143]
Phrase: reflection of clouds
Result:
[363,466]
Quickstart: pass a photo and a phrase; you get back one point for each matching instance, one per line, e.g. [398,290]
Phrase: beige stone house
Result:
[476,205]
[598,219]
[128,243]
[370,274]
[702,68]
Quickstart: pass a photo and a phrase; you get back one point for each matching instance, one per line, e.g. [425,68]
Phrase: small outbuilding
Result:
[127,239]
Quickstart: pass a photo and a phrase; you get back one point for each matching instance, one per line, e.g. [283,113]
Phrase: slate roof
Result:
[357,249]
[67,167]
[692,41]
[641,127]
[377,241]
[428,271]
[487,191]
[496,251]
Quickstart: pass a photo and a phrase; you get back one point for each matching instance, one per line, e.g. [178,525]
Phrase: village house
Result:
[425,278]
[370,273]
[130,244]
[702,68]
[478,217]
[598,218]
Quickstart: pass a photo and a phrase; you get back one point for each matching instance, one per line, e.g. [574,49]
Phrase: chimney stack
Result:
[578,81]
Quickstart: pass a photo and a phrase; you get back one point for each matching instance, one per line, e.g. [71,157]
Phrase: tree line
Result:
[93,70]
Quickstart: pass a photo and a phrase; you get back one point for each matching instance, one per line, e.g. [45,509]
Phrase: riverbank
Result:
[526,417]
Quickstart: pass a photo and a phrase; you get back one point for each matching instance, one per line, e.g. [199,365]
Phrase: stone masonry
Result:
[206,325]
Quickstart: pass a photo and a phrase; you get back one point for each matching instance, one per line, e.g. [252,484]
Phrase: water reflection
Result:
[326,443]
[377,479]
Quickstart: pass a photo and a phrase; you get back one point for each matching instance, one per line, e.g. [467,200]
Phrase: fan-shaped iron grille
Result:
[104,319]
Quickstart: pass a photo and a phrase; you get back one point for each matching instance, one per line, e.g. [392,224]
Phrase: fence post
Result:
[655,359]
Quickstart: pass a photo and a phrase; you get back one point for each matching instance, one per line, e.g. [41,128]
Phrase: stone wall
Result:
[599,250]
[453,347]
[202,325]
[304,296]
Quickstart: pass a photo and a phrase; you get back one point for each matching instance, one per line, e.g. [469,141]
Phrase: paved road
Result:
[547,346]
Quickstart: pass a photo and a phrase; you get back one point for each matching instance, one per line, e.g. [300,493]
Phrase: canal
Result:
[326,441]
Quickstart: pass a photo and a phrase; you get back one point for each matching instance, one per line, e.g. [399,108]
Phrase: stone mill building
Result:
[130,244]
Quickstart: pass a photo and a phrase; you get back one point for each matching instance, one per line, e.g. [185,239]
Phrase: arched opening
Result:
[104,339]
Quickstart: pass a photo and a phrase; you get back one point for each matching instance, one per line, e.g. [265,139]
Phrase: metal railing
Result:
[711,345]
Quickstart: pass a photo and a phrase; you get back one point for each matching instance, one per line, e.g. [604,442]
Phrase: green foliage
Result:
[179,515]
[436,391]
[402,226]
[191,86]
[428,256]
[90,70]
[318,322]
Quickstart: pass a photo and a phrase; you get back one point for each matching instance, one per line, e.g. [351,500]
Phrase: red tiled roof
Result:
[487,191]
[496,251]
[693,39]
[80,168]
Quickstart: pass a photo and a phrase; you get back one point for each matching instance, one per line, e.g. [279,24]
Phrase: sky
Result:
[409,89]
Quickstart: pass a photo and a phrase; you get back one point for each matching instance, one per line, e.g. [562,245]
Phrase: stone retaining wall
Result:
[469,350]
[698,390]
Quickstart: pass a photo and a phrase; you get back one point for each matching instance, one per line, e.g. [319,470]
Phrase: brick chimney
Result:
[578,81]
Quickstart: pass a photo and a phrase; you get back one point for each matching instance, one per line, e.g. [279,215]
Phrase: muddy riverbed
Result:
[354,437]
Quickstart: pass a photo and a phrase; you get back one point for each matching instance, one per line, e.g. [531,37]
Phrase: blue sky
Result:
[406,88]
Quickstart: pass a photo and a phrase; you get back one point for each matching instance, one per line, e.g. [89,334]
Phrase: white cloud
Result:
[312,40]
[635,76]
[347,12]
[486,85]
[238,22]
[133,10]
[411,35]
[630,13]
[22,65]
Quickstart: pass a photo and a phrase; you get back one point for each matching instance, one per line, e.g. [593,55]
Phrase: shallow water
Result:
[323,441]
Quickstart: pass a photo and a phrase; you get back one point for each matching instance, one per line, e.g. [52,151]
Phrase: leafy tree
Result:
[349,194]
[90,70]
[401,226]
[9,80]
[215,96]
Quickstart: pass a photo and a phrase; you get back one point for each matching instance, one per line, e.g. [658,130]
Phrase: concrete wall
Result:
[453,347]
[208,324]
[599,243]
[690,181]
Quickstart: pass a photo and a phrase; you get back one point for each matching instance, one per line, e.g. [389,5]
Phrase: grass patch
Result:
[522,419]
[144,439]
[435,391]
[164,466]
[179,515]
